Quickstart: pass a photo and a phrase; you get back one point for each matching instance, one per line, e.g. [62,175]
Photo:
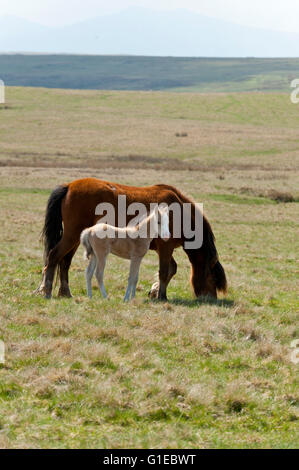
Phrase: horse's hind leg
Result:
[63,247]
[64,266]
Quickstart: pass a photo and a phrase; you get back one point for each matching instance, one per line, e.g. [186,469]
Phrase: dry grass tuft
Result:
[55,381]
[201,394]
[181,134]
[273,351]
[273,194]
[251,331]
[237,397]
[280,196]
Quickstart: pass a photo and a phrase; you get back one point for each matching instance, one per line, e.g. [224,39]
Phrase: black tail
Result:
[53,230]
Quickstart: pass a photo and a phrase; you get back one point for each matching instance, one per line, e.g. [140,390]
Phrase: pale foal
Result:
[129,242]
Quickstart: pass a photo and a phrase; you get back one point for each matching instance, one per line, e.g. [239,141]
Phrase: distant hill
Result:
[148,73]
[140,31]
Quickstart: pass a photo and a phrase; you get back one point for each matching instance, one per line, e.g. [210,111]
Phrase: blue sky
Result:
[270,14]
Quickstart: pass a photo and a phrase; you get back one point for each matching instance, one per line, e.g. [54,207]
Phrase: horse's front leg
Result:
[167,269]
[163,276]
[41,288]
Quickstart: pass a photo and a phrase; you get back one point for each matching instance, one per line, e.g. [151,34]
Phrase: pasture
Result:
[188,373]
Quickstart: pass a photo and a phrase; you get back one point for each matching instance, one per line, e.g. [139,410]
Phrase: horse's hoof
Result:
[154,292]
[39,291]
[48,296]
[152,295]
[65,293]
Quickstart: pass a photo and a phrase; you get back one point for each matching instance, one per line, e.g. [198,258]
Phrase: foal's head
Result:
[155,224]
[161,221]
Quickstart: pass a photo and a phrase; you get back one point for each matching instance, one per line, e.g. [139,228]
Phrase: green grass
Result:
[149,73]
[240,200]
[189,373]
[83,373]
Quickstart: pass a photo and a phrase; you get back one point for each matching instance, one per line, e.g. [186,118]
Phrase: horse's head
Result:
[207,275]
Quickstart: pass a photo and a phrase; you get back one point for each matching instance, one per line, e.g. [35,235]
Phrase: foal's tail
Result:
[53,230]
[84,239]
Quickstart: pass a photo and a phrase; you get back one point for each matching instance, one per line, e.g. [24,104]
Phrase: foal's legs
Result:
[133,278]
[137,262]
[100,263]
[89,273]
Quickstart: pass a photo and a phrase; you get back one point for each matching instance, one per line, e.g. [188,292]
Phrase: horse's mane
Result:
[212,264]
[207,229]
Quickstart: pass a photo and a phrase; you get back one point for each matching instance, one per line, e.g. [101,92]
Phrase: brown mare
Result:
[71,209]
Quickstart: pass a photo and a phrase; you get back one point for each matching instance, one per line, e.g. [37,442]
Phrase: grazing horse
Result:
[131,243]
[72,207]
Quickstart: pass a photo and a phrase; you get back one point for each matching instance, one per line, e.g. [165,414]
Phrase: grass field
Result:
[189,373]
[149,73]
